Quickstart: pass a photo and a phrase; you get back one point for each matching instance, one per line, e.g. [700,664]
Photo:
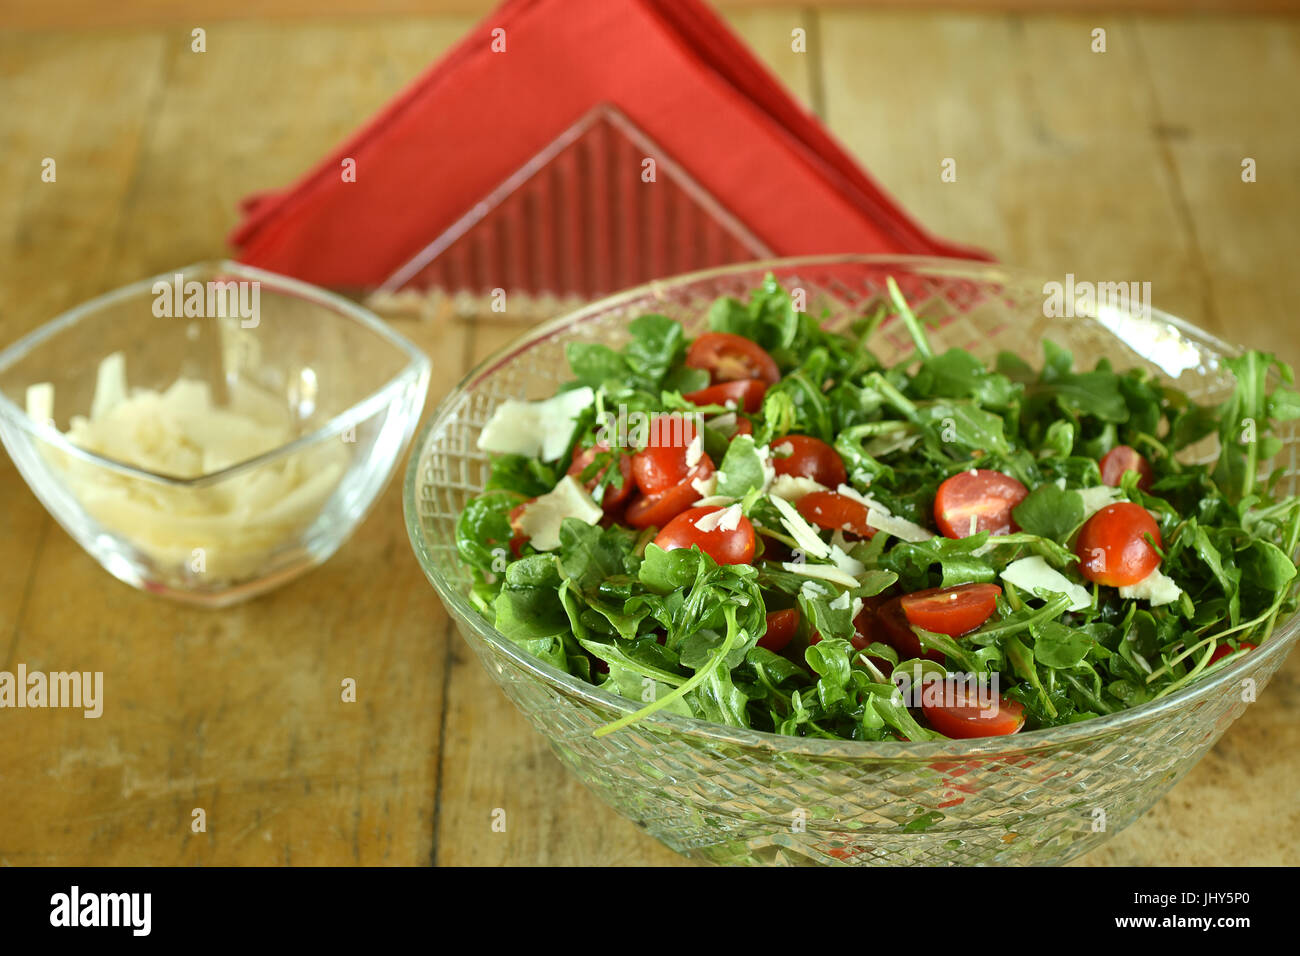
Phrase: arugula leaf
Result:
[1050,512]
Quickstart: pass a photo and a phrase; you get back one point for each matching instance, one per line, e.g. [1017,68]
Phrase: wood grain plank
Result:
[71,14]
[238,712]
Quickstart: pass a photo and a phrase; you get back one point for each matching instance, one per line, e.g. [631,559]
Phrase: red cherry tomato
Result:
[662,463]
[781,627]
[519,539]
[1122,458]
[745,394]
[808,457]
[955,712]
[830,509]
[659,509]
[953,611]
[727,357]
[1223,650]
[986,496]
[1111,546]
[898,634]
[582,457]
[735,546]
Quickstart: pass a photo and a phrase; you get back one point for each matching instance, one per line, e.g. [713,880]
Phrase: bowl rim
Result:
[460,610]
[416,368]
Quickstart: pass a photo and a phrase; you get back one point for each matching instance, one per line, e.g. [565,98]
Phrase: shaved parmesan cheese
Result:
[695,450]
[845,562]
[40,403]
[1036,574]
[857,608]
[706,486]
[841,603]
[802,532]
[535,428]
[714,501]
[222,531]
[900,528]
[1094,499]
[110,385]
[793,487]
[541,519]
[1156,588]
[727,519]
[825,572]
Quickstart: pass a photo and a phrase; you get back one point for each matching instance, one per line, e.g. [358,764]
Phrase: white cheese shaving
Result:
[695,450]
[223,531]
[706,486]
[793,487]
[1156,588]
[1094,499]
[812,589]
[110,385]
[1035,573]
[845,562]
[802,532]
[900,528]
[541,519]
[725,519]
[857,608]
[714,501]
[40,403]
[825,572]
[841,603]
[535,428]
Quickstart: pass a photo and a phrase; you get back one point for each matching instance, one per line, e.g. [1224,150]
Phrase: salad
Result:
[767,527]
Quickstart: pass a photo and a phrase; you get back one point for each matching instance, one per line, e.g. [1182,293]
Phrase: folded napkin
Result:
[525,168]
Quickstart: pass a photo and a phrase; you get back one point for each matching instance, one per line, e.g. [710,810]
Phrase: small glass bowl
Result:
[727,795]
[336,390]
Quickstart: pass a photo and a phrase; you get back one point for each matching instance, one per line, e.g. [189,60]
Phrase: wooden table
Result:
[1113,166]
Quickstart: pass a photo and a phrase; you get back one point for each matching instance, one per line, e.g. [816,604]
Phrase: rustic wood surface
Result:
[1115,166]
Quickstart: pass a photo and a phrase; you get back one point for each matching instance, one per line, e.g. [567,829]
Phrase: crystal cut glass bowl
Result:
[732,796]
[266,415]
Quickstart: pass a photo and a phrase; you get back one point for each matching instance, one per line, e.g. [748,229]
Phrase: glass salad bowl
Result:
[733,796]
[210,433]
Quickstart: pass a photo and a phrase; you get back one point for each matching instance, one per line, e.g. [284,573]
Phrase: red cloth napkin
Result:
[474,118]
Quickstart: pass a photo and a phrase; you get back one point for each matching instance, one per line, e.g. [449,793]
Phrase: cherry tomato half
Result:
[658,509]
[519,539]
[734,546]
[954,711]
[979,494]
[1122,458]
[830,509]
[727,357]
[808,457]
[781,627]
[898,634]
[1112,548]
[1223,650]
[953,611]
[662,463]
[582,457]
[745,394]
